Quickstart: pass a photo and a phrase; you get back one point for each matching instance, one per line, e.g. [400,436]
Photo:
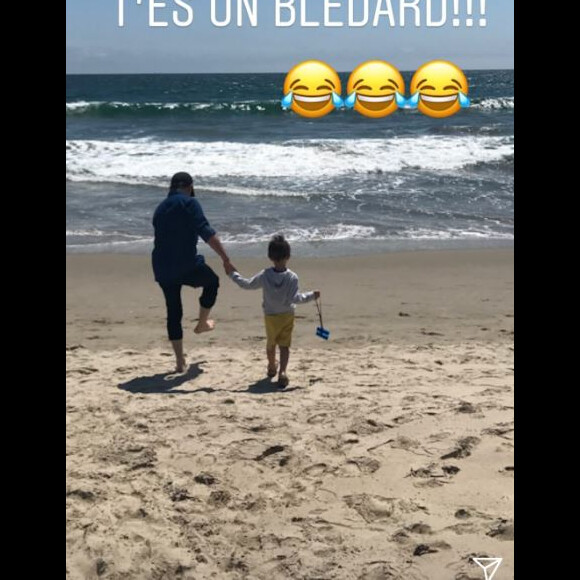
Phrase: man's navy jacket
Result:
[178,222]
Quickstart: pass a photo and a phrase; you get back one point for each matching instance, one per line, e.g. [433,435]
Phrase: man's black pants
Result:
[201,277]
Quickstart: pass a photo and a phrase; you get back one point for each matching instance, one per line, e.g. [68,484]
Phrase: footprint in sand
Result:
[420,528]
[101,567]
[401,537]
[363,426]
[500,430]
[318,418]
[450,469]
[436,437]
[465,528]
[364,465]
[422,472]
[466,407]
[316,470]
[74,347]
[426,332]
[374,508]
[406,418]
[252,503]
[405,443]
[462,514]
[177,494]
[433,475]
[205,479]
[503,530]
[371,508]
[83,494]
[463,448]
[246,448]
[378,571]
[259,428]
[422,549]
[133,456]
[270,451]
[82,371]
[219,498]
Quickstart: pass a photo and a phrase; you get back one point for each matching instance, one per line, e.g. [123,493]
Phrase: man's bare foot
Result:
[181,365]
[208,326]
[272,370]
[283,380]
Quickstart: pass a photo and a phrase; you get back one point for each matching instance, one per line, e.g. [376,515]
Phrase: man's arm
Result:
[215,244]
[207,233]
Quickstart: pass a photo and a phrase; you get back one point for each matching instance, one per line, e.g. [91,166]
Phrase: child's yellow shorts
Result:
[279,329]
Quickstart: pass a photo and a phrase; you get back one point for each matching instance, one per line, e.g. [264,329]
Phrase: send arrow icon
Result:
[489,566]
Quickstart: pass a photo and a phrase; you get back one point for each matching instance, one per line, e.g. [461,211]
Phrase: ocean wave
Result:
[152,162]
[102,240]
[94,233]
[340,232]
[152,109]
[483,130]
[481,233]
[116,108]
[505,164]
[255,234]
[315,234]
[500,103]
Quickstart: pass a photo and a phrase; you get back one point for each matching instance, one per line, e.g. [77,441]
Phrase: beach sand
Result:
[389,456]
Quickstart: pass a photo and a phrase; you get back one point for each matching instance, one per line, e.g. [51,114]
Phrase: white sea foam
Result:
[103,240]
[480,233]
[151,162]
[244,106]
[498,103]
[79,107]
[255,234]
[315,234]
[94,233]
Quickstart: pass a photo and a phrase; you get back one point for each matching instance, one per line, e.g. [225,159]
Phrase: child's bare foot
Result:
[283,380]
[272,370]
[207,326]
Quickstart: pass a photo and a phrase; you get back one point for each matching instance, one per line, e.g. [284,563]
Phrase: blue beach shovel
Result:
[321,331]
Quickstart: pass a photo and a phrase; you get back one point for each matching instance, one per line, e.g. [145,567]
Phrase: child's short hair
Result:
[278,249]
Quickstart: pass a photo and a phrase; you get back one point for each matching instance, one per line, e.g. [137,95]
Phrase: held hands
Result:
[316,294]
[229,267]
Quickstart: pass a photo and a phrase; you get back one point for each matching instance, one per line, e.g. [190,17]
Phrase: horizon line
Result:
[239,73]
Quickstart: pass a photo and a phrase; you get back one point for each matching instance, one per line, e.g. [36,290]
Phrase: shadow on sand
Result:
[169,382]
[266,386]
[165,382]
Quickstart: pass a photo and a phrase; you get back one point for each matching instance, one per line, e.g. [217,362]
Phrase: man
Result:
[179,222]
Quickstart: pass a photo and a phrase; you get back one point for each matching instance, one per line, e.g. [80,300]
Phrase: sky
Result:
[96,44]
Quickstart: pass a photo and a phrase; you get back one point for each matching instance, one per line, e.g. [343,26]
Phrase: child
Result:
[280,296]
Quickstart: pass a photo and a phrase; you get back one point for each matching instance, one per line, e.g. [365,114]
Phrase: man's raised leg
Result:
[205,277]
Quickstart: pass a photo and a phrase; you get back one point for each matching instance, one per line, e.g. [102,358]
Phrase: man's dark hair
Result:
[278,249]
[181,179]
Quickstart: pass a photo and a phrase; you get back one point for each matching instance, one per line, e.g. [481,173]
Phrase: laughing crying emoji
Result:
[375,89]
[439,89]
[312,89]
